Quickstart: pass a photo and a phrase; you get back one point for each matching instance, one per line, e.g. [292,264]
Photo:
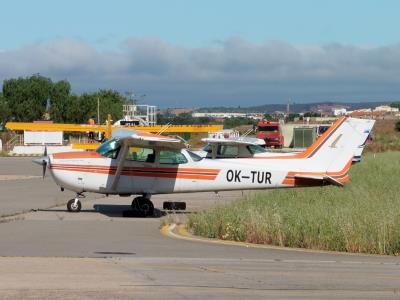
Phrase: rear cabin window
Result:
[172,157]
[141,154]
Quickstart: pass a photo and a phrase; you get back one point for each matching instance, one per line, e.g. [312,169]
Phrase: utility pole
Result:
[133,97]
[98,110]
[98,116]
[288,107]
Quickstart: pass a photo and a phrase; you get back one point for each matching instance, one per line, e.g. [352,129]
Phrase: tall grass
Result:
[364,216]
[385,137]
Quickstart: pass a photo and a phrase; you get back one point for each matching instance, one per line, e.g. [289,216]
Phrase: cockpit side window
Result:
[109,149]
[141,154]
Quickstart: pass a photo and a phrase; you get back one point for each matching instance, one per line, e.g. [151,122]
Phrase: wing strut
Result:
[121,162]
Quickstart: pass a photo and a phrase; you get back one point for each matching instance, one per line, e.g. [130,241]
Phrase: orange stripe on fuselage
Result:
[184,173]
[76,155]
[82,166]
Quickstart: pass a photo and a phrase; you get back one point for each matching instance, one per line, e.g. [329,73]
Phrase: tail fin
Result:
[334,150]
[365,127]
[328,160]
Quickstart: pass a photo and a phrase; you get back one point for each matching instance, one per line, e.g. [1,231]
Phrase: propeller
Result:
[42,161]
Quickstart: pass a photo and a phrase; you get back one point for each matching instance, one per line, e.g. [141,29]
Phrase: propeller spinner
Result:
[43,160]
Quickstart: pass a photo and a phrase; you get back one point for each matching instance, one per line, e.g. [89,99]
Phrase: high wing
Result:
[133,138]
[235,141]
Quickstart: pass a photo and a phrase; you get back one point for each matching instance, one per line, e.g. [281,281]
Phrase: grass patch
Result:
[385,137]
[362,217]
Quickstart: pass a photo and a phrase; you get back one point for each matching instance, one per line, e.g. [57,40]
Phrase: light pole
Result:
[133,97]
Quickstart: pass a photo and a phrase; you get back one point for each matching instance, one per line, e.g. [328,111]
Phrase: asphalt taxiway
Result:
[47,252]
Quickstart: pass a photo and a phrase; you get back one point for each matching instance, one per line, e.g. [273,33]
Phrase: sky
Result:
[209,53]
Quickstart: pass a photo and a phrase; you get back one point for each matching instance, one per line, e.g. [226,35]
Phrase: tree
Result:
[111,102]
[291,117]
[311,114]
[73,111]
[268,117]
[59,99]
[395,104]
[398,126]
[238,121]
[80,108]
[27,97]
[5,113]
[183,119]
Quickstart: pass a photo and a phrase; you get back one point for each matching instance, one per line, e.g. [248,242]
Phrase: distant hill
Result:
[294,108]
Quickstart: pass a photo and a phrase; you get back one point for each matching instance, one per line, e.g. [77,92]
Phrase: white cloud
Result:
[232,72]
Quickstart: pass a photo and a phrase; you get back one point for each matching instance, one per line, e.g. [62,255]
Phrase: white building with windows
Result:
[386,108]
[339,111]
[218,115]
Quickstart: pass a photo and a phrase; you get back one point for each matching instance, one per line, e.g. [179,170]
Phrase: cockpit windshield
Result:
[194,156]
[109,149]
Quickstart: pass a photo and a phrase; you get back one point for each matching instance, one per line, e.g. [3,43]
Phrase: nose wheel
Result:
[75,205]
[143,205]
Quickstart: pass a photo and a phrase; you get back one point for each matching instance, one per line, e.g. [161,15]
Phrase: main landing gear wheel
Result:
[143,205]
[74,205]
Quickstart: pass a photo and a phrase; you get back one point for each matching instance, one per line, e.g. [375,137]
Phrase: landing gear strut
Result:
[74,205]
[143,205]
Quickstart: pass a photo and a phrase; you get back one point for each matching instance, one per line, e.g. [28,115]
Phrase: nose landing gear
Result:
[74,205]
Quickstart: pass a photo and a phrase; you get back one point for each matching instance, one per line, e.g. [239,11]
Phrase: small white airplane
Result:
[138,163]
[237,147]
[241,147]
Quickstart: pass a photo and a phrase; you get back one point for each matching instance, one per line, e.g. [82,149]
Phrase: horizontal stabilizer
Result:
[332,180]
[322,178]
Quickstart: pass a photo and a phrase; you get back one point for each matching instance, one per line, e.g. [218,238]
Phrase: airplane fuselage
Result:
[90,172]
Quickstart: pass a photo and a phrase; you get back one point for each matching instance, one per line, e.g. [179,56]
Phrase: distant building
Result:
[363,110]
[218,115]
[255,116]
[386,108]
[339,111]
[177,111]
[367,113]
[327,110]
